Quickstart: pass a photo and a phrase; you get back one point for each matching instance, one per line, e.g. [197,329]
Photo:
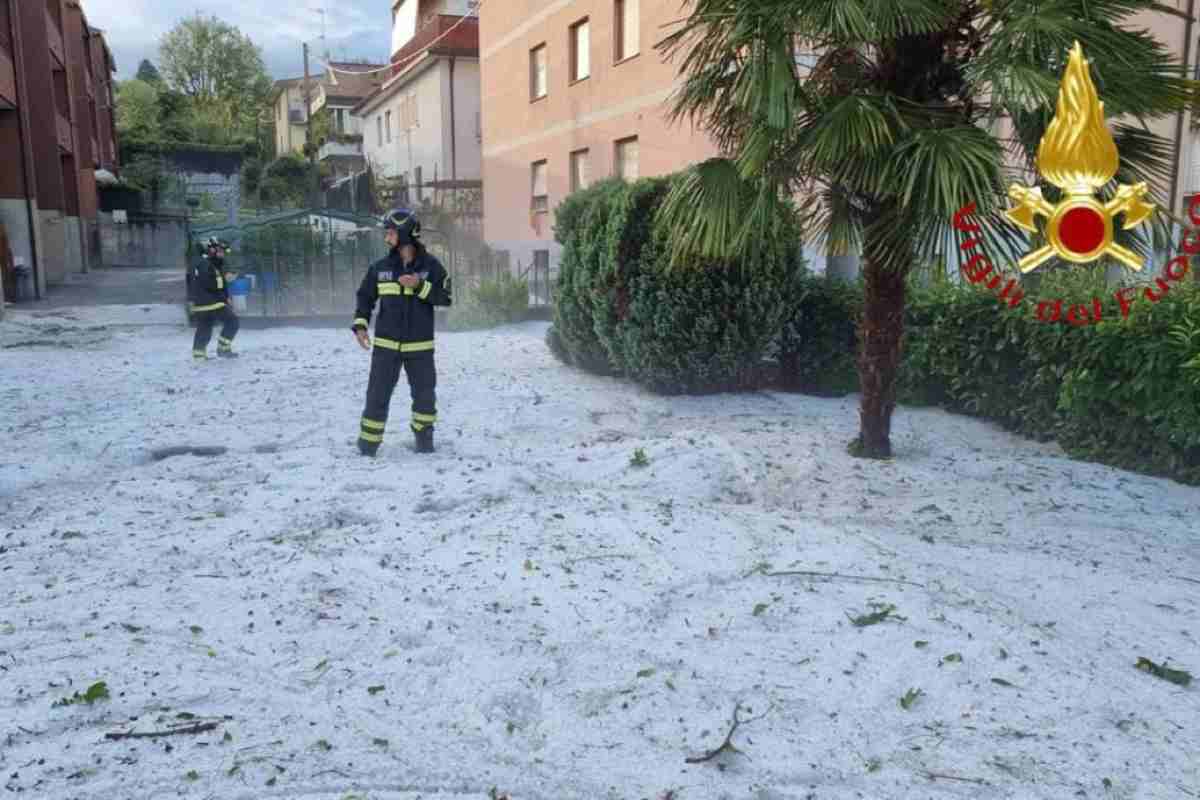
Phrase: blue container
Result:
[240,287]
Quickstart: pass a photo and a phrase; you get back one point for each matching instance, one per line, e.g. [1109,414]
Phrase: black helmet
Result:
[405,223]
[213,241]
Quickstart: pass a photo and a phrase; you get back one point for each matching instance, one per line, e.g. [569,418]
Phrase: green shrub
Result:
[505,296]
[817,342]
[579,227]
[1123,392]
[703,326]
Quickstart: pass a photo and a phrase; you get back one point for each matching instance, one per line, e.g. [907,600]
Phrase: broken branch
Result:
[809,574]
[940,776]
[199,727]
[727,745]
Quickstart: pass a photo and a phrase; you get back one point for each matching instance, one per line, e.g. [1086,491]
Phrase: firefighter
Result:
[208,291]
[407,284]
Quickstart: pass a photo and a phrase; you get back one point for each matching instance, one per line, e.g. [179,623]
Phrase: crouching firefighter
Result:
[208,291]
[407,284]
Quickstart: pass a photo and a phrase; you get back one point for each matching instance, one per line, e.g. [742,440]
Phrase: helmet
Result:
[213,241]
[404,222]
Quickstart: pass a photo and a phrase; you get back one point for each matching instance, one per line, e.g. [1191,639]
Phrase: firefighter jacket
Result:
[206,286]
[405,321]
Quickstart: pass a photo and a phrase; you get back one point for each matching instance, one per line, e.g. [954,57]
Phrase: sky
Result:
[356,29]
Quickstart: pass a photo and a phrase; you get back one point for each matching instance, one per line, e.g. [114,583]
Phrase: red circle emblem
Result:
[1081,230]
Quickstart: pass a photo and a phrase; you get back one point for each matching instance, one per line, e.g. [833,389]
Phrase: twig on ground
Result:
[940,776]
[199,727]
[595,558]
[727,745]
[809,574]
[1184,578]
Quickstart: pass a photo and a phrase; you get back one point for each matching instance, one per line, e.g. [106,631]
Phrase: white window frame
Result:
[534,73]
[580,51]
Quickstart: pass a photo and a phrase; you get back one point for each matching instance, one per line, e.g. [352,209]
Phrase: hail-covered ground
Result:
[570,599]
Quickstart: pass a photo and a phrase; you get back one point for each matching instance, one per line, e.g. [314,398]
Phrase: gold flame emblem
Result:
[1078,155]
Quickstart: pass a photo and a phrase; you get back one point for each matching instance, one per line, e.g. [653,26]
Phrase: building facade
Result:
[56,131]
[291,118]
[422,126]
[573,91]
[340,89]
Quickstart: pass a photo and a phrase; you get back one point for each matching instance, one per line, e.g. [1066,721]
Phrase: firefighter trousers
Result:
[205,320]
[385,374]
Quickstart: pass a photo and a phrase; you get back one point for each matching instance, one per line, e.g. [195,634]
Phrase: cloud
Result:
[355,29]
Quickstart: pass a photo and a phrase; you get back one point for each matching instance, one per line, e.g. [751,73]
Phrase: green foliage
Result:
[96,692]
[579,225]
[1122,392]
[138,113]
[816,346]
[505,295]
[624,305]
[148,73]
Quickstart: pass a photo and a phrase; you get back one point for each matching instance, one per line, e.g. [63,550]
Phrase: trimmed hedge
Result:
[703,327]
[1123,392]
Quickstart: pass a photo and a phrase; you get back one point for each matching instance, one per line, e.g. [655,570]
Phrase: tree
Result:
[221,71]
[148,73]
[910,110]
[138,110]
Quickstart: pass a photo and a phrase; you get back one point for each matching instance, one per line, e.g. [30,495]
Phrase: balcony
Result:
[8,80]
[55,39]
[350,146]
[66,142]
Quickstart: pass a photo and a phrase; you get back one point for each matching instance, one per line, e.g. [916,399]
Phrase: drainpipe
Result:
[453,132]
[1187,57]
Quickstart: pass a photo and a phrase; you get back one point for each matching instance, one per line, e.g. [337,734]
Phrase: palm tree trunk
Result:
[879,340]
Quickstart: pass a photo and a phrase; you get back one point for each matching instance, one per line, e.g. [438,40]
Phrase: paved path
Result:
[124,286]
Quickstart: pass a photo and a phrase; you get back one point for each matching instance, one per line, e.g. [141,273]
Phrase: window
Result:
[537,72]
[580,42]
[379,128]
[387,125]
[626,159]
[579,170]
[540,203]
[626,29]
[339,117]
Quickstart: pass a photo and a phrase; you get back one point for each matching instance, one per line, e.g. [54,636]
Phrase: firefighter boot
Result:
[424,440]
[368,448]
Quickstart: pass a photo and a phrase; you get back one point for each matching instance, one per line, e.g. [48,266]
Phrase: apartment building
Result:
[56,131]
[573,91]
[291,118]
[423,125]
[340,88]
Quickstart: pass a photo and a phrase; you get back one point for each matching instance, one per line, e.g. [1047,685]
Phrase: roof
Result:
[284,84]
[352,81]
[443,35]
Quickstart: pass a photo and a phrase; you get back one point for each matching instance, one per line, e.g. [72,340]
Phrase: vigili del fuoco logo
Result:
[1078,155]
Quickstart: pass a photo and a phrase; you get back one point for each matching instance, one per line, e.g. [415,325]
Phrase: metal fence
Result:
[310,262]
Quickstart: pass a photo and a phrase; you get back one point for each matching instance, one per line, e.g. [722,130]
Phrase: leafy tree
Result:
[138,115]
[221,72]
[148,73]
[906,111]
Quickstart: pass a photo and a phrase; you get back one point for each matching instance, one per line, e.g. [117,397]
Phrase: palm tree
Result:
[910,110]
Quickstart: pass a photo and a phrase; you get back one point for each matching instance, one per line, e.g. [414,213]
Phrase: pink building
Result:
[572,91]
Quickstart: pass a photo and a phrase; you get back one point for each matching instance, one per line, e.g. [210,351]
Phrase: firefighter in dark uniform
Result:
[407,284]
[208,291]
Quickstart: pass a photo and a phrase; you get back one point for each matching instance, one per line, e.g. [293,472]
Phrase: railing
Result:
[340,148]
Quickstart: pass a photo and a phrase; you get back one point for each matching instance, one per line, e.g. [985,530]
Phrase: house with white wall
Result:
[342,87]
[422,126]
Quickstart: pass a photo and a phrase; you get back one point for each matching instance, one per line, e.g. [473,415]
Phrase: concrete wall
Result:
[143,244]
[53,248]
